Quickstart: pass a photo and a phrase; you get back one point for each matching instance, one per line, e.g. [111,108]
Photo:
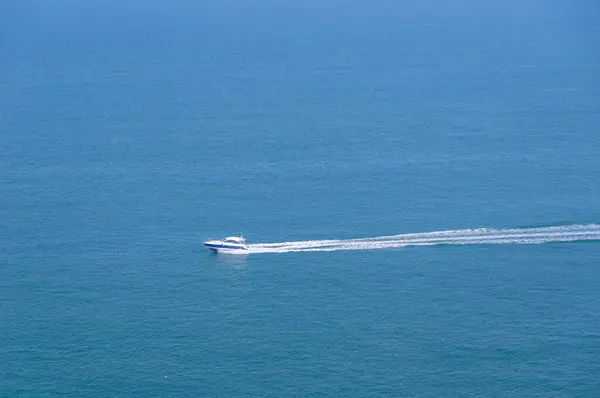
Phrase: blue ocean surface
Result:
[457,141]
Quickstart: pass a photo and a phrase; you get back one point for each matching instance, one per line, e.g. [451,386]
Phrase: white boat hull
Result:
[226,247]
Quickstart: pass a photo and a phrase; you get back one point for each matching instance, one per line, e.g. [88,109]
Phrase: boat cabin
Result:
[234,239]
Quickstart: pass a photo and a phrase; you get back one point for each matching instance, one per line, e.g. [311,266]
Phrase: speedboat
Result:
[229,244]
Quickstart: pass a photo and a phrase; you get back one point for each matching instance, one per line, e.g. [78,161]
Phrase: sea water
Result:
[452,146]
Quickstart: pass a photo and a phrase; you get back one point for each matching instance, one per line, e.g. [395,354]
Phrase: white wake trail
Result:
[565,233]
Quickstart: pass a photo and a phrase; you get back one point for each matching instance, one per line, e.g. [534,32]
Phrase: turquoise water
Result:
[131,132]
